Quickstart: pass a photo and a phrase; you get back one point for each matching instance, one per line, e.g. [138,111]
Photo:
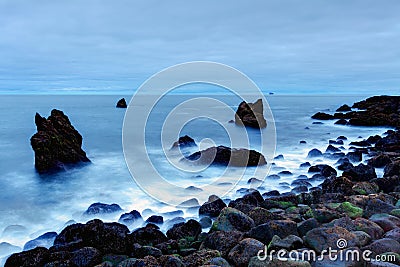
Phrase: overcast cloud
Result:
[285,46]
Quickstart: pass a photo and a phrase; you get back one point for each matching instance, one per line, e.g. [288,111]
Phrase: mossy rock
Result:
[350,210]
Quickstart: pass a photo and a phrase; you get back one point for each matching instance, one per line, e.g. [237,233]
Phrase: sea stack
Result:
[251,114]
[57,143]
[122,103]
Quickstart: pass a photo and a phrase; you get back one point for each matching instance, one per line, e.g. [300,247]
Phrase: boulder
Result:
[101,208]
[383,245]
[266,231]
[231,219]
[86,257]
[322,116]
[225,156]
[360,173]
[57,143]
[150,235]
[212,207]
[392,169]
[314,153]
[184,141]
[131,218]
[106,237]
[200,257]
[344,108]
[251,114]
[341,122]
[379,161]
[222,241]
[34,257]
[241,254]
[190,229]
[323,238]
[46,240]
[122,103]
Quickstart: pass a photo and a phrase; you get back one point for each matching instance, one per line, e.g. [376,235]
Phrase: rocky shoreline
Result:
[358,206]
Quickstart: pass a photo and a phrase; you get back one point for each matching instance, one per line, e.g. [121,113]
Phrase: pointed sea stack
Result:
[57,143]
[122,103]
[251,114]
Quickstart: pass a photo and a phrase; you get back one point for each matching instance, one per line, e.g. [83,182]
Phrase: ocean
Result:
[32,204]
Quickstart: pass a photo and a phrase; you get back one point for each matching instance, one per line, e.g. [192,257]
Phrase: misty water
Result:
[32,204]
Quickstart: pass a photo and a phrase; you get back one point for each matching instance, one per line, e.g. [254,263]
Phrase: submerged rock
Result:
[101,208]
[57,143]
[122,103]
[251,114]
[223,155]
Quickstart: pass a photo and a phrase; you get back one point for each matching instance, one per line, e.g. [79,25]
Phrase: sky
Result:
[284,46]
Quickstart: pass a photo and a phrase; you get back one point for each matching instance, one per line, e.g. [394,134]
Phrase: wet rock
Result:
[336,142]
[34,257]
[305,165]
[383,245]
[279,157]
[107,237]
[322,116]
[363,143]
[354,156]
[345,166]
[190,229]
[344,108]
[365,188]
[190,203]
[385,221]
[305,226]
[341,122]
[379,161]
[212,207]
[273,193]
[139,251]
[218,261]
[266,231]
[273,177]
[350,210]
[200,257]
[374,206]
[184,141]
[303,142]
[231,219]
[261,215]
[171,261]
[323,238]
[360,173]
[46,240]
[225,156]
[340,185]
[254,180]
[122,103]
[299,189]
[393,234]
[57,143]
[131,262]
[359,224]
[251,114]
[101,208]
[289,243]
[324,169]
[155,219]
[314,153]
[332,149]
[86,257]
[341,137]
[392,169]
[241,254]
[150,235]
[222,241]
[131,218]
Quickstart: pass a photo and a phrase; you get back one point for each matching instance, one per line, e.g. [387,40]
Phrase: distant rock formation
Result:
[184,141]
[122,103]
[56,143]
[251,114]
[223,155]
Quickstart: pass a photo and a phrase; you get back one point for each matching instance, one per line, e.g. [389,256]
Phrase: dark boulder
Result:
[322,116]
[266,231]
[363,143]
[184,141]
[225,156]
[86,257]
[392,169]
[101,208]
[122,103]
[150,235]
[344,108]
[387,184]
[130,218]
[360,173]
[340,185]
[34,257]
[190,229]
[155,219]
[107,237]
[251,114]
[341,122]
[313,153]
[332,149]
[57,143]
[379,161]
[324,169]
[354,156]
[46,240]
[212,207]
[222,241]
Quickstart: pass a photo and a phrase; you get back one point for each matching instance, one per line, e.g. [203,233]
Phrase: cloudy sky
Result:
[285,46]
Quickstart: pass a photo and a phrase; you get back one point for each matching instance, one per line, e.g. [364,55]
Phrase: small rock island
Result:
[56,143]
